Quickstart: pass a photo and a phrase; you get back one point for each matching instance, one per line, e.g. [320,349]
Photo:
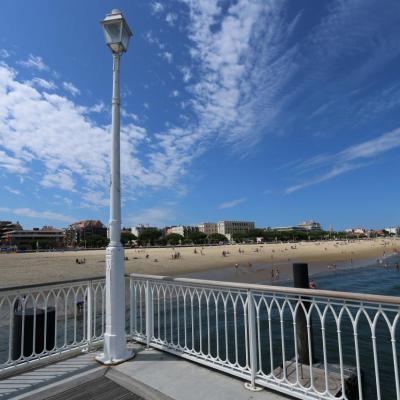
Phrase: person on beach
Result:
[272,274]
[312,284]
[277,274]
[236,266]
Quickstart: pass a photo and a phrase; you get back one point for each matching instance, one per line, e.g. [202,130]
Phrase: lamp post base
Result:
[104,359]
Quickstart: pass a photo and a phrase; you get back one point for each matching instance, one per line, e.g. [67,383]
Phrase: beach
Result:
[41,267]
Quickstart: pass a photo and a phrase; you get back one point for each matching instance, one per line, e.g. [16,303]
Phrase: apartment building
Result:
[208,227]
[232,227]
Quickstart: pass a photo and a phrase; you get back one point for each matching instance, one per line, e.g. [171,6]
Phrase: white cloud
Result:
[167,56]
[70,87]
[53,137]
[94,198]
[34,62]
[157,7]
[59,179]
[11,190]
[354,157]
[186,74]
[175,93]
[11,164]
[97,108]
[171,18]
[4,53]
[43,83]
[232,203]
[28,212]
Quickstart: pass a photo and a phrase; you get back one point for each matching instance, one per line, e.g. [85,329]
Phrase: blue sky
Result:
[272,111]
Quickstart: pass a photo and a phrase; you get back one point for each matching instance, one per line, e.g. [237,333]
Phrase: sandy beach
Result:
[34,268]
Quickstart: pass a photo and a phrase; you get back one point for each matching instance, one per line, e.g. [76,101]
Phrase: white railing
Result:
[267,334]
[40,322]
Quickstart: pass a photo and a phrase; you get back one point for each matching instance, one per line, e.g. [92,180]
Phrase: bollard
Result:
[30,336]
[300,277]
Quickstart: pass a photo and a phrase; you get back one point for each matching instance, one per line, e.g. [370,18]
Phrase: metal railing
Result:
[268,335]
[40,322]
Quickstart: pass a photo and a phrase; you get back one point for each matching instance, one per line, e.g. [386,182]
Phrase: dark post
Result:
[300,277]
[25,321]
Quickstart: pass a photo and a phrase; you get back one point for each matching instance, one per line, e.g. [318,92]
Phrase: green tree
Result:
[127,237]
[217,238]
[149,236]
[198,237]
[174,239]
[240,237]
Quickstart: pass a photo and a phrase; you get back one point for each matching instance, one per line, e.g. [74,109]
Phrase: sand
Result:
[35,268]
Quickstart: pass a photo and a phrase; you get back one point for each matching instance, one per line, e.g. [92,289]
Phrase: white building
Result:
[394,230]
[208,227]
[310,226]
[182,230]
[232,227]
[357,231]
[137,230]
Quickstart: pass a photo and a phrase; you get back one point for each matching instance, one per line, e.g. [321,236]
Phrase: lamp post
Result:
[117,34]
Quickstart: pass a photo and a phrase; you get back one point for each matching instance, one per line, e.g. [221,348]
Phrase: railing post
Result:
[89,326]
[252,332]
[132,306]
[149,314]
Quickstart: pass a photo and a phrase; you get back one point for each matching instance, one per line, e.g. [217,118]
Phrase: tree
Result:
[240,237]
[149,236]
[127,237]
[217,238]
[174,239]
[198,237]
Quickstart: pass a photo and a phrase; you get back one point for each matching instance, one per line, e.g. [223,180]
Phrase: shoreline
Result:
[45,267]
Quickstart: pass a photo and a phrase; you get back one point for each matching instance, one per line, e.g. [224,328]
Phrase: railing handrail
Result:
[45,284]
[362,297]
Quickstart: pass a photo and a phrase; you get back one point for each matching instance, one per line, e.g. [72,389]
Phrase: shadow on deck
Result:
[151,375]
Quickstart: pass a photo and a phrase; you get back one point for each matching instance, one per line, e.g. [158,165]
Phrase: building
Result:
[27,239]
[356,231]
[81,233]
[233,227]
[182,230]
[393,231]
[137,230]
[310,226]
[208,227]
[8,226]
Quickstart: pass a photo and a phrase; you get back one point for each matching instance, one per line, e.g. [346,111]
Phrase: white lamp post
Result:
[117,34]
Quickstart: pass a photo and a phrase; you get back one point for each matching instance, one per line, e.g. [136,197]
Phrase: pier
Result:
[204,338]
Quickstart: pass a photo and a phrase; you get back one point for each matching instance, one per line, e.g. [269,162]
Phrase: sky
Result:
[267,111]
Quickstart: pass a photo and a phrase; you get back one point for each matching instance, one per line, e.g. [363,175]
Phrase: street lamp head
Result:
[116,32]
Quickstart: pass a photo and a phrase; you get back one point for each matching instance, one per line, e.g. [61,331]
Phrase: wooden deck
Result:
[99,389]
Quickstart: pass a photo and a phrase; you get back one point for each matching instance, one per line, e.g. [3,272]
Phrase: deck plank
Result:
[99,389]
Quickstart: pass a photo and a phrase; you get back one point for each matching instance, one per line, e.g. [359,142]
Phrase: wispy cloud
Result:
[11,190]
[167,56]
[171,18]
[157,7]
[43,215]
[71,88]
[4,53]
[354,157]
[34,62]
[43,83]
[232,203]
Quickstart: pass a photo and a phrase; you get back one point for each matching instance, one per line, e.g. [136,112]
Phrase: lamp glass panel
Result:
[112,32]
[125,37]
